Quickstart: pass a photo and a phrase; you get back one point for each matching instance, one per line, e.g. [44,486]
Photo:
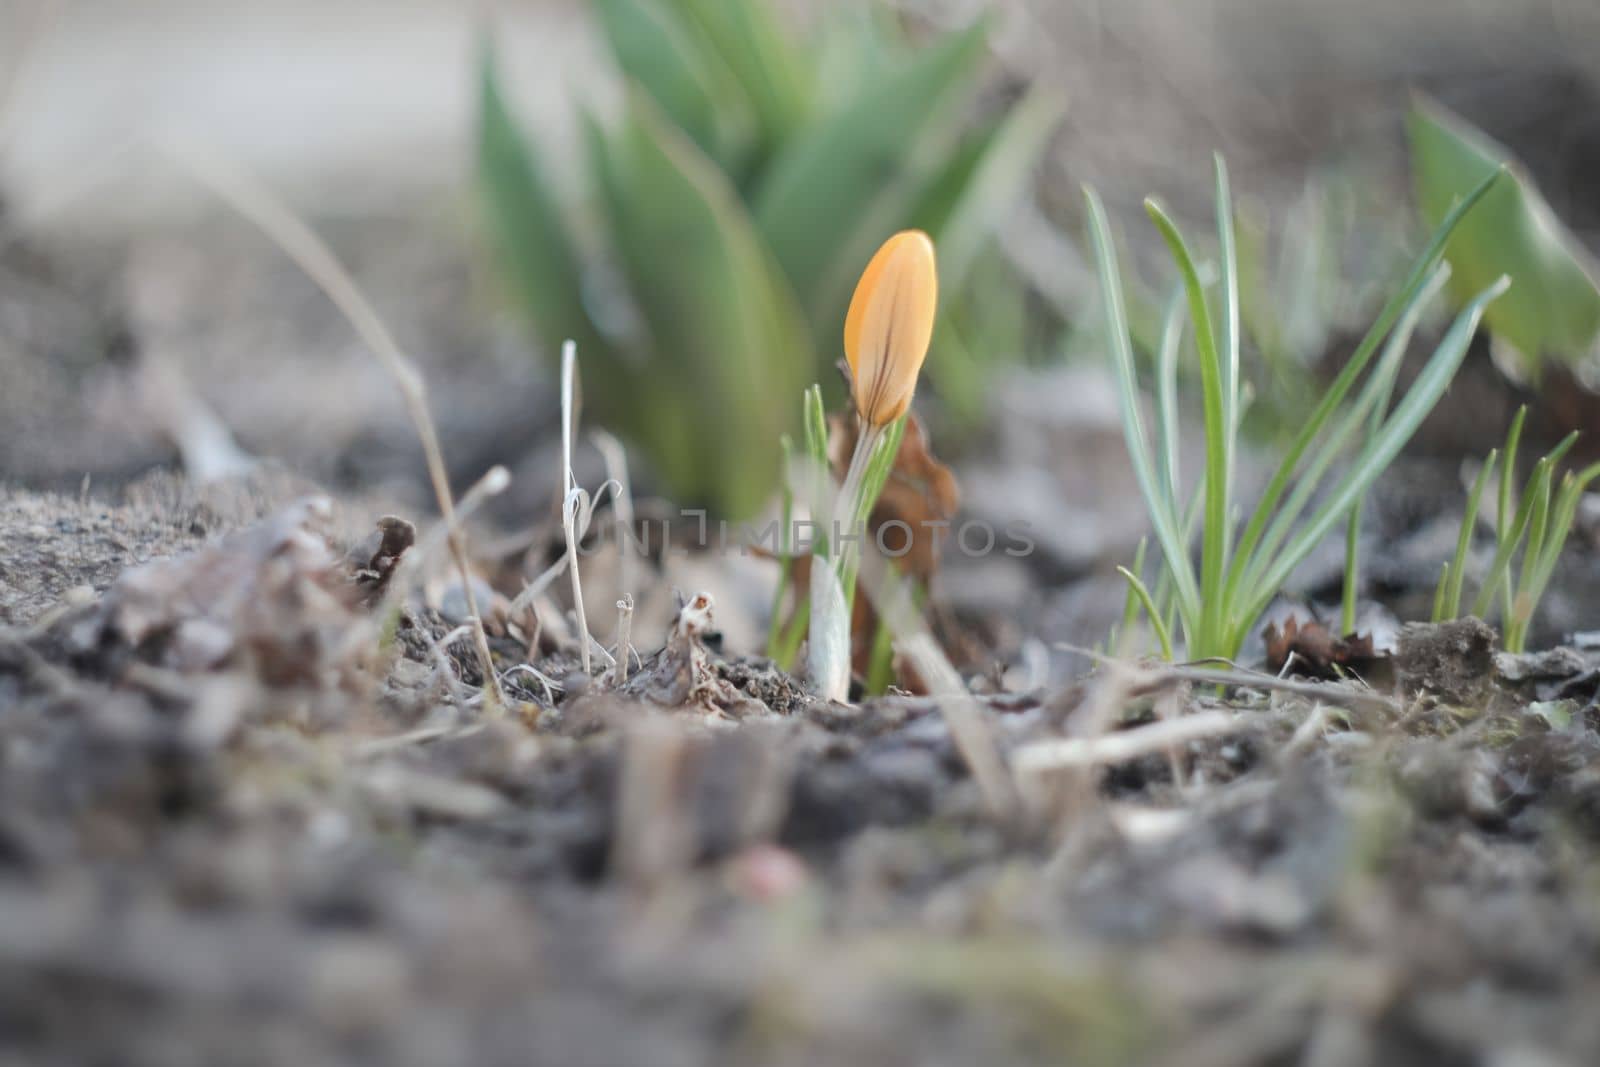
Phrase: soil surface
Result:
[247,815]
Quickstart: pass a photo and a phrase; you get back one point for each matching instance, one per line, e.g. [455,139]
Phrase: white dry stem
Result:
[616,461]
[260,205]
[624,637]
[534,589]
[1124,745]
[569,516]
[577,507]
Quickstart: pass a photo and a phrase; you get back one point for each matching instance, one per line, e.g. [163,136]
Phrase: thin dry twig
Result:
[1151,679]
[1124,745]
[261,206]
[624,637]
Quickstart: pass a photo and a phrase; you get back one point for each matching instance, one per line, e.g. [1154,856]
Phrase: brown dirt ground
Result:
[231,864]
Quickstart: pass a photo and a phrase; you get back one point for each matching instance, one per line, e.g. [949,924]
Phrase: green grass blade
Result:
[1167,397]
[1219,433]
[880,665]
[1566,512]
[785,548]
[1162,517]
[816,426]
[1228,339]
[1375,458]
[1163,638]
[1532,549]
[1441,594]
[1368,409]
[1506,504]
[1404,298]
[1506,546]
[1130,603]
[1458,564]
[1513,440]
[1352,570]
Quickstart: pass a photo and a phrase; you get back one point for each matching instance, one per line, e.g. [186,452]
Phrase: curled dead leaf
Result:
[1316,652]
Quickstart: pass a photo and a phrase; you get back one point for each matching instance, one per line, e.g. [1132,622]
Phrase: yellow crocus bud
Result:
[890,323]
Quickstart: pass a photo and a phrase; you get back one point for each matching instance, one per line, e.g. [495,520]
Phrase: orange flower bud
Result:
[890,323]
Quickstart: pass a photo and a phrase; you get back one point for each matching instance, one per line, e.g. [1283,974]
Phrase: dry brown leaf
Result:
[1316,651]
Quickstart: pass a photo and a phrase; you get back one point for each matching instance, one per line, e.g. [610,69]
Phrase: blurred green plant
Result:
[1553,308]
[1538,525]
[1241,571]
[749,176]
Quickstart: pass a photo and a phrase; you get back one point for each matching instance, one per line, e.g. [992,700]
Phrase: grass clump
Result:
[1242,568]
[1535,522]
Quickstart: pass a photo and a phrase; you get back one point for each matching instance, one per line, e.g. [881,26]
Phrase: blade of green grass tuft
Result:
[1162,511]
[1404,298]
[1506,546]
[1228,341]
[1368,409]
[1219,434]
[1441,593]
[1167,423]
[1419,400]
[1352,571]
[1130,603]
[1162,637]
[1566,511]
[1458,564]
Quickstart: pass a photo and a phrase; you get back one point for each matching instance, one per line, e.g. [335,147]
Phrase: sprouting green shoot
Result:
[1537,523]
[785,549]
[848,511]
[1238,576]
[879,468]
[1441,591]
[1137,588]
[880,668]
[1447,600]
[1538,527]
[1131,605]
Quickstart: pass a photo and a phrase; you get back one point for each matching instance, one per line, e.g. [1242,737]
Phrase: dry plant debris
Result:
[1312,650]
